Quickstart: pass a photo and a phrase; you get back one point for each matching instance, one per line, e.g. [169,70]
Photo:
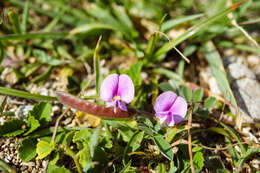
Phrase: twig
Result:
[234,23]
[186,59]
[182,141]
[190,144]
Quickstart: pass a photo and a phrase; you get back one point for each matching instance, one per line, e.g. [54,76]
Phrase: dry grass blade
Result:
[234,23]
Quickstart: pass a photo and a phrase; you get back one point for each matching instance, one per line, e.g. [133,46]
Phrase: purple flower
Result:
[117,90]
[170,108]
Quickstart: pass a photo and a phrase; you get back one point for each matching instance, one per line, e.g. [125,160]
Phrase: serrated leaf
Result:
[197,95]
[27,149]
[164,147]
[42,112]
[32,123]
[198,161]
[43,149]
[210,102]
[12,127]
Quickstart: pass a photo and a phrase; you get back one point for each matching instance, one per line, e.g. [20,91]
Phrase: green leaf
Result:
[43,149]
[32,123]
[84,156]
[198,161]
[218,71]
[56,169]
[90,28]
[28,69]
[43,76]
[136,141]
[165,86]
[51,35]
[187,92]
[26,95]
[46,59]
[197,95]
[13,17]
[94,140]
[161,168]
[249,153]
[210,102]
[164,147]
[97,71]
[12,127]
[27,149]
[42,112]
[146,129]
[134,73]
[168,73]
[167,25]
[25,16]
[127,168]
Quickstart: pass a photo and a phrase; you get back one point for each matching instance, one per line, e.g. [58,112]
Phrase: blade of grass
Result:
[25,16]
[26,95]
[1,52]
[13,17]
[173,22]
[67,19]
[194,30]
[219,73]
[43,76]
[3,105]
[168,73]
[54,22]
[97,67]
[51,35]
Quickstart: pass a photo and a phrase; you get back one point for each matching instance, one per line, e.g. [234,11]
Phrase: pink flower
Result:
[170,108]
[117,90]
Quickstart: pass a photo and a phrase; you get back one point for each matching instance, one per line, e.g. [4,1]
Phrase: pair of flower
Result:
[118,90]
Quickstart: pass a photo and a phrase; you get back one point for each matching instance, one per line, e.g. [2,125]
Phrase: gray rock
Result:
[246,89]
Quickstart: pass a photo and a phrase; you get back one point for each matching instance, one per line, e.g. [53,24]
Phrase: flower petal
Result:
[109,87]
[170,120]
[179,109]
[126,89]
[122,106]
[162,117]
[164,101]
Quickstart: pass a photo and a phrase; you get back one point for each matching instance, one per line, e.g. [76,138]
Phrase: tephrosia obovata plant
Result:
[117,91]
